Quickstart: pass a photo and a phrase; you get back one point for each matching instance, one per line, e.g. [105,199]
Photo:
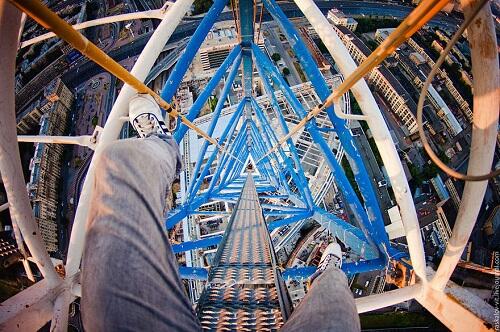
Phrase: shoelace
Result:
[327,261]
[323,265]
[145,123]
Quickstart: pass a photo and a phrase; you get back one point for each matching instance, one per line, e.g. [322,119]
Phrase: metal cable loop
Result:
[435,159]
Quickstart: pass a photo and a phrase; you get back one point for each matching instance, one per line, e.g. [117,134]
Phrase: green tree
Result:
[201,6]
[415,174]
[286,71]
[355,109]
[444,158]
[430,171]
[372,45]
[212,102]
[350,176]
[276,57]
[368,24]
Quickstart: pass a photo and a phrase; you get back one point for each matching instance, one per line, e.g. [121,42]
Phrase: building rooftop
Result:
[355,40]
[384,33]
[222,34]
[399,88]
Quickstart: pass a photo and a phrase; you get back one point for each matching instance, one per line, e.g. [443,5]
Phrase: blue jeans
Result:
[130,279]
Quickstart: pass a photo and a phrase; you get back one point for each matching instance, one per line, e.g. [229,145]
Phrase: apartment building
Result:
[464,106]
[382,80]
[337,17]
[55,91]
[449,183]
[46,164]
[217,45]
[219,41]
[447,213]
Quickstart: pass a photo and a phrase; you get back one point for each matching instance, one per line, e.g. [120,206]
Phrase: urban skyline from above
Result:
[299,123]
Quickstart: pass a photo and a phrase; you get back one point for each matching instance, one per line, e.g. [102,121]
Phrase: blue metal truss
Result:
[192,48]
[203,243]
[248,136]
[373,222]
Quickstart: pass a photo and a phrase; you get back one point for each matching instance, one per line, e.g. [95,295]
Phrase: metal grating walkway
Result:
[244,291]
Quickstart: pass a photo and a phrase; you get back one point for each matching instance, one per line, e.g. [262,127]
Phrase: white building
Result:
[337,17]
[382,34]
[220,40]
[382,80]
[464,106]
[445,113]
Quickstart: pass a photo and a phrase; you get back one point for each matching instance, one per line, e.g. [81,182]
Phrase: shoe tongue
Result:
[146,123]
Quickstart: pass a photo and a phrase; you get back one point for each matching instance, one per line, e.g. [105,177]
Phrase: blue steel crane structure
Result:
[244,287]
[248,135]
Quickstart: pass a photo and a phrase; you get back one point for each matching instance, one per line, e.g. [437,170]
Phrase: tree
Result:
[430,171]
[355,109]
[286,71]
[371,24]
[350,176]
[276,57]
[415,174]
[212,102]
[201,6]
[372,45]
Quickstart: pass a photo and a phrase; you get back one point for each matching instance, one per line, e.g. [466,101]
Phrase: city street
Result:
[378,180]
[271,31]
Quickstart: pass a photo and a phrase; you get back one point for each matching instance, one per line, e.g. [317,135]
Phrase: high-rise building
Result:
[447,213]
[46,164]
[53,92]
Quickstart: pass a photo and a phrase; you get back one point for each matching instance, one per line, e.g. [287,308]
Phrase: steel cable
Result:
[435,159]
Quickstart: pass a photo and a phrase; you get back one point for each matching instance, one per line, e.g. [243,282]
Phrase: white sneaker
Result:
[145,116]
[332,256]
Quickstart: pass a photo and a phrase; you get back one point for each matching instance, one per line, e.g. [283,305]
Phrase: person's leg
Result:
[328,306]
[130,280]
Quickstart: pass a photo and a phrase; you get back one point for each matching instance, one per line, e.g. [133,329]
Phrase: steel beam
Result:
[192,47]
[213,123]
[196,244]
[374,223]
[195,109]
